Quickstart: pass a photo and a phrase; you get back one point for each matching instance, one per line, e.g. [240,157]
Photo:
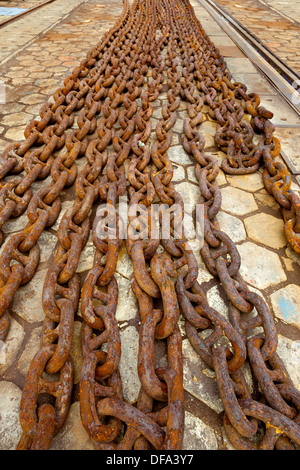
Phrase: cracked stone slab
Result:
[286,304]
[260,267]
[199,379]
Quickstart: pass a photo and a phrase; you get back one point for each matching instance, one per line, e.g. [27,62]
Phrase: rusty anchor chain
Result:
[155,45]
[45,205]
[232,341]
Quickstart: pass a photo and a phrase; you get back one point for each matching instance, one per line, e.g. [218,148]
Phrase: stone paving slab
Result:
[275,22]
[31,73]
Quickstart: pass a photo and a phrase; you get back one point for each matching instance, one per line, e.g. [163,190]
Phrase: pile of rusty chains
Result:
[235,137]
[101,390]
[277,405]
[143,425]
[45,204]
[40,420]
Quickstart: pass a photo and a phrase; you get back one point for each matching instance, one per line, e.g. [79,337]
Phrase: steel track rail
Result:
[282,77]
[16,17]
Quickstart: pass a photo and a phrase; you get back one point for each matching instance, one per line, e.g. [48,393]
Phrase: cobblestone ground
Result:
[275,22]
[33,64]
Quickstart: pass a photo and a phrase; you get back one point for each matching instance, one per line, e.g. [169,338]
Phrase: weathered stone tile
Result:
[221,178]
[266,229]
[15,225]
[290,142]
[236,64]
[260,267]
[30,297]
[177,155]
[250,183]
[197,435]
[31,348]
[232,226]
[266,200]
[286,304]
[15,119]
[254,82]
[198,379]
[292,255]
[219,155]
[13,343]
[216,301]
[72,436]
[208,128]
[33,99]
[10,108]
[289,352]
[203,273]
[284,115]
[124,265]
[191,174]
[178,174]
[189,192]
[47,243]
[87,256]
[15,133]
[128,364]
[127,307]
[11,430]
[237,202]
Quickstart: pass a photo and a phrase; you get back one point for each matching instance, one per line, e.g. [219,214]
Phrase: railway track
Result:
[280,75]
[20,15]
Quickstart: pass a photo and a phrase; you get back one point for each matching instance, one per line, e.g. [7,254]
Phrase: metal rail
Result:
[13,18]
[275,70]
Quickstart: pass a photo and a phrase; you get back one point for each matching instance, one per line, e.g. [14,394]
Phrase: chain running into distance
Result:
[111,95]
